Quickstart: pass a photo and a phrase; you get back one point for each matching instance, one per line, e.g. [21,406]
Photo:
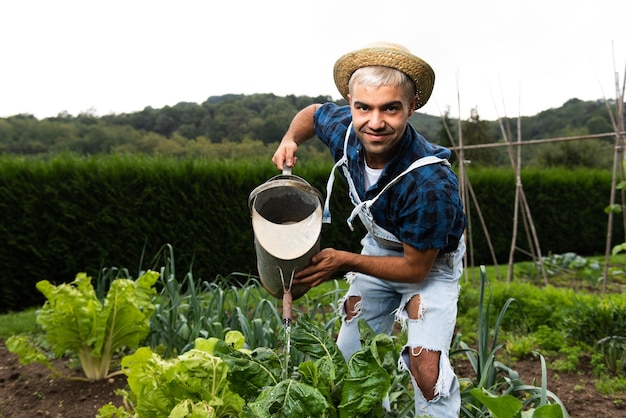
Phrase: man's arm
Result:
[412,267]
[300,130]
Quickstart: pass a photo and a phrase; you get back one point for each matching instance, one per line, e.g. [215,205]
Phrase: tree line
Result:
[250,126]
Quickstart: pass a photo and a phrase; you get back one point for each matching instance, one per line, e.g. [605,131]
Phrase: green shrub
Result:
[521,346]
[536,306]
[569,359]
[549,339]
[591,318]
[68,213]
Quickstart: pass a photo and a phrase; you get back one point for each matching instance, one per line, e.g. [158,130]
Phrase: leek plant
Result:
[612,349]
[187,309]
[497,389]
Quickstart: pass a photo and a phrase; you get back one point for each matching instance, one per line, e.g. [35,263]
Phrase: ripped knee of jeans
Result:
[430,371]
[351,307]
[428,365]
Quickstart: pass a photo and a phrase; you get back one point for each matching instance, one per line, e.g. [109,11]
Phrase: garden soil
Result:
[30,391]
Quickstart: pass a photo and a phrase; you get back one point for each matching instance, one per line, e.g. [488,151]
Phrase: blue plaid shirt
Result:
[424,208]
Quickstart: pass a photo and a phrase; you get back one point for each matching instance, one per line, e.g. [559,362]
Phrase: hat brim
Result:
[416,68]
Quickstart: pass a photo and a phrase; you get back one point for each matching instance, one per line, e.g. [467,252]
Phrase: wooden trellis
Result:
[618,169]
[521,204]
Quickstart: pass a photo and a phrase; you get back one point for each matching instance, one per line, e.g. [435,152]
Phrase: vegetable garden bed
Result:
[199,312]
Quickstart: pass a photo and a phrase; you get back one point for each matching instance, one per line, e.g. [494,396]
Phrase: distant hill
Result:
[190,128]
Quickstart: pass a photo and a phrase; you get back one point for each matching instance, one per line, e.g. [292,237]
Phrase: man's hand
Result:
[323,265]
[285,154]
[300,130]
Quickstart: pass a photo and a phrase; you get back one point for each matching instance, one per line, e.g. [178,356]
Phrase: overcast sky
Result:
[503,57]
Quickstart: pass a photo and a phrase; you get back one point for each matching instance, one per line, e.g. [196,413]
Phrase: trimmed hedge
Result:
[72,214]
[69,214]
[566,206]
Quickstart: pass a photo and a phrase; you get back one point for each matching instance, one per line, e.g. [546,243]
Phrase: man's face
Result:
[379,117]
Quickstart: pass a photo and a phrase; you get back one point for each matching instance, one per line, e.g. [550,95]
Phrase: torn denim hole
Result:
[402,315]
[446,377]
[356,309]
[350,276]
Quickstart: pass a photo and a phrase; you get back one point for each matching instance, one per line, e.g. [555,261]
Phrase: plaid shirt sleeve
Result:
[331,123]
[425,210]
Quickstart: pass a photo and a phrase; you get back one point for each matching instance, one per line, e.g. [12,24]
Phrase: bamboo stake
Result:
[535,238]
[618,125]
[462,182]
[477,207]
[484,226]
[518,191]
[531,223]
[541,141]
[509,275]
[529,227]
[506,135]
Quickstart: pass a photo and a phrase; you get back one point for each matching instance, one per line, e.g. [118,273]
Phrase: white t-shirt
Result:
[371,176]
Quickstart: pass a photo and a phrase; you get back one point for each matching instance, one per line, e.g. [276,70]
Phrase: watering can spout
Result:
[287,222]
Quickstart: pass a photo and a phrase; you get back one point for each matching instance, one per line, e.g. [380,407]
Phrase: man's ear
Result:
[412,105]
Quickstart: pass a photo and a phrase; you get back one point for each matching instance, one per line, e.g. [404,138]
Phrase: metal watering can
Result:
[287,223]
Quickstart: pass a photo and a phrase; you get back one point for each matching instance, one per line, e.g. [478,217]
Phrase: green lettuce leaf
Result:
[367,381]
[74,319]
[29,352]
[189,409]
[289,398]
[250,371]
[197,376]
[312,339]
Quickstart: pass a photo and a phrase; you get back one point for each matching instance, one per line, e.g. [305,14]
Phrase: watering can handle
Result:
[286,170]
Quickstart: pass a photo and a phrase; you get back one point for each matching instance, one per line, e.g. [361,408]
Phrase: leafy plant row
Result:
[233,370]
[187,334]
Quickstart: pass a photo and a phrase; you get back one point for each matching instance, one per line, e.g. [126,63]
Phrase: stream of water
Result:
[287,306]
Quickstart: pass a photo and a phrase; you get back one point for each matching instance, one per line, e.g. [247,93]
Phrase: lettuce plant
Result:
[324,385]
[232,381]
[193,384]
[74,320]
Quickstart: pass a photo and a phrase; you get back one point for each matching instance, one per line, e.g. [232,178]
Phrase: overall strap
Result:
[431,159]
[343,161]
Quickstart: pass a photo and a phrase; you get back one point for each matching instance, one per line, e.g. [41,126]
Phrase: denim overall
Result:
[383,302]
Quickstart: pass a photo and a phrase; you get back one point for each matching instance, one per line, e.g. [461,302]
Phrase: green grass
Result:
[17,323]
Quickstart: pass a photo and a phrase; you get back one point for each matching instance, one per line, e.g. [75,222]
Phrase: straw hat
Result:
[386,55]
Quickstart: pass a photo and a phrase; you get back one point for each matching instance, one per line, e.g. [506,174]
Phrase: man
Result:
[406,195]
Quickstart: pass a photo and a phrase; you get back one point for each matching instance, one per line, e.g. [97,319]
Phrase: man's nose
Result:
[377,121]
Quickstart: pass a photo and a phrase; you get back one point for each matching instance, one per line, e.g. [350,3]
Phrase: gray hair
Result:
[378,76]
